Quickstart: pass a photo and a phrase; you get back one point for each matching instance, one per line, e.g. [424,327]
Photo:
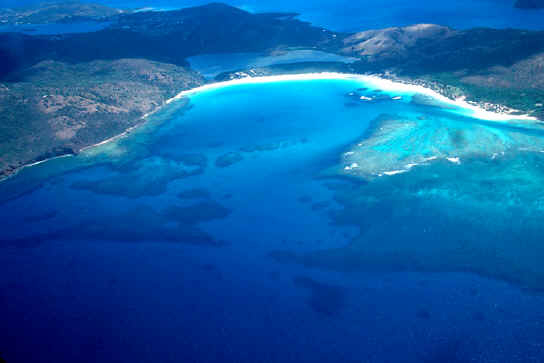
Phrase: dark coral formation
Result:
[432,219]
[324,298]
[150,177]
[197,193]
[529,4]
[228,159]
[201,212]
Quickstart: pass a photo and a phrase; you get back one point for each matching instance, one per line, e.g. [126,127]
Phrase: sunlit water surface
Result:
[227,229]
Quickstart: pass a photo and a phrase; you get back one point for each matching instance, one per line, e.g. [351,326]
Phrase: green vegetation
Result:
[522,98]
[488,66]
[56,108]
[62,93]
[46,13]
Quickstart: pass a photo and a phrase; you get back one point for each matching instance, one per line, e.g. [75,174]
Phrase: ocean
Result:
[228,228]
[52,29]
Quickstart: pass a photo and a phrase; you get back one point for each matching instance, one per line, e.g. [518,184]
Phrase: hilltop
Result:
[61,93]
[169,36]
[485,65]
[57,12]
[57,108]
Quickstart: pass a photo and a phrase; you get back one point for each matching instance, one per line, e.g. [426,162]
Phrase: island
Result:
[65,92]
[63,12]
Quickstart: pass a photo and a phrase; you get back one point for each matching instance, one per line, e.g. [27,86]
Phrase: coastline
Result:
[142,121]
[378,82]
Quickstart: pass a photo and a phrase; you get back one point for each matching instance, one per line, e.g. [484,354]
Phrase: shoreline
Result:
[143,120]
[378,82]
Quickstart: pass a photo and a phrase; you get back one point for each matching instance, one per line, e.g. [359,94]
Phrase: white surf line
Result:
[21,168]
[264,79]
[118,136]
[375,81]
[46,160]
[130,129]
[476,111]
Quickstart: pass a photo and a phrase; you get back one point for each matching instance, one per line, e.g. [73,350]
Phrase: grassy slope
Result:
[55,108]
[62,93]
[487,65]
[57,12]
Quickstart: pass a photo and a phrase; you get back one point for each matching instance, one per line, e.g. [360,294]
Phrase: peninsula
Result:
[65,12]
[65,92]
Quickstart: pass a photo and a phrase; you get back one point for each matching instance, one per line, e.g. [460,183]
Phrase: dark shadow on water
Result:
[452,350]
[320,205]
[148,177]
[325,299]
[128,227]
[423,314]
[35,178]
[228,159]
[189,159]
[200,212]
[31,241]
[439,218]
[8,194]
[212,272]
[196,193]
[457,138]
[41,217]
[478,316]
[140,224]
[340,179]
[305,199]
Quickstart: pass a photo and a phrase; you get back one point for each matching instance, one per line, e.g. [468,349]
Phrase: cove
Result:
[227,228]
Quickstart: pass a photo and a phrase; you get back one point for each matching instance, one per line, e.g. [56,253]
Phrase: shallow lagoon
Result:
[227,229]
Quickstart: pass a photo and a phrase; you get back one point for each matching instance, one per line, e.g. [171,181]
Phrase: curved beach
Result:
[371,80]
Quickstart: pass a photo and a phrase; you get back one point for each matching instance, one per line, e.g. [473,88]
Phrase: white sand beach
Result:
[366,80]
[373,81]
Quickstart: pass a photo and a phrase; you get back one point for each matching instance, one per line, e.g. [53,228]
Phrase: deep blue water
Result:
[51,29]
[163,246]
[347,15]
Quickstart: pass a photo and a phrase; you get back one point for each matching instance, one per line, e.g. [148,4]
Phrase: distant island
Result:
[62,93]
[530,4]
[64,12]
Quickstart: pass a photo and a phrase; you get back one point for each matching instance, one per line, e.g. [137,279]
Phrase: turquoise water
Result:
[226,229]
